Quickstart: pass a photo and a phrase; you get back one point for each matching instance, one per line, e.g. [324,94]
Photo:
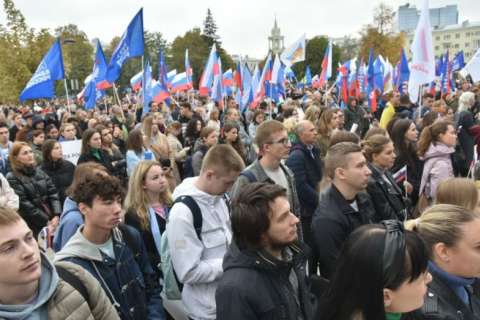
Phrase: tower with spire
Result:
[275,40]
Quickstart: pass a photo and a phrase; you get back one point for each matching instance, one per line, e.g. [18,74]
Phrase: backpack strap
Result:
[196,213]
[249,175]
[130,241]
[73,280]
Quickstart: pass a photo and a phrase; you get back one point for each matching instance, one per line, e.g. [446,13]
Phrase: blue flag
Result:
[92,94]
[147,88]
[370,73]
[130,45]
[41,85]
[378,69]
[99,72]
[403,72]
[308,77]
[458,61]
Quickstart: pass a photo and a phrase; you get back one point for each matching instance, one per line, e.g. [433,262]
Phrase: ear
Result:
[340,173]
[442,252]
[84,209]
[387,298]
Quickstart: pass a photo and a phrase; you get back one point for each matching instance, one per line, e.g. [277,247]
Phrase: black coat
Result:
[307,168]
[333,221]
[61,173]
[387,198]
[256,286]
[36,192]
[441,303]
[132,220]
[104,160]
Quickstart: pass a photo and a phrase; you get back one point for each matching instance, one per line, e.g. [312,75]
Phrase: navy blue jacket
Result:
[307,168]
[128,280]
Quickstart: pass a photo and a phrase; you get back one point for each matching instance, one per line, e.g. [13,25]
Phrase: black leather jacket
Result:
[36,192]
[441,303]
[387,198]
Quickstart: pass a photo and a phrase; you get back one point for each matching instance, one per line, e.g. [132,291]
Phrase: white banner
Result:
[71,150]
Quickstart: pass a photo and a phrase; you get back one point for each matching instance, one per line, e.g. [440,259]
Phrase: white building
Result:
[464,36]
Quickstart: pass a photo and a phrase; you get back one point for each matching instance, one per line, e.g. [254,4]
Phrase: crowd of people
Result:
[199,210]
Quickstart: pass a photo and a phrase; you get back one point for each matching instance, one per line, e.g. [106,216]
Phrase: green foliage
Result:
[78,54]
[314,56]
[210,30]
[154,41]
[198,51]
[380,36]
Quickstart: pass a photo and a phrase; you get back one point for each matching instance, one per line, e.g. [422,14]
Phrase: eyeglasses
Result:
[284,141]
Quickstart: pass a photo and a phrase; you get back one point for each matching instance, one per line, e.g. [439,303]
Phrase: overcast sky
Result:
[243,25]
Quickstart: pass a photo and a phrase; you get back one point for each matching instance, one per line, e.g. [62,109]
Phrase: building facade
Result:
[464,36]
[407,17]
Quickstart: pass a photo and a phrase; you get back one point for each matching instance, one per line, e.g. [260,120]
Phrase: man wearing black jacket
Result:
[264,269]
[343,206]
[304,160]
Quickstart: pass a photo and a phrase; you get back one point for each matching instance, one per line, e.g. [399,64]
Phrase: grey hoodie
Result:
[37,310]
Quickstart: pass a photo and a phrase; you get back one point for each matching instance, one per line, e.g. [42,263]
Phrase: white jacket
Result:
[8,197]
[198,264]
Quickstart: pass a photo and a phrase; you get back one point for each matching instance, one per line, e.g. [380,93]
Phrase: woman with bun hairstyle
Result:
[381,274]
[387,197]
[452,234]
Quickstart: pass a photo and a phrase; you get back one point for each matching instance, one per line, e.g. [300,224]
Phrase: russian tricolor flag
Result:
[206,80]
[400,175]
[159,92]
[136,81]
[326,65]
[180,82]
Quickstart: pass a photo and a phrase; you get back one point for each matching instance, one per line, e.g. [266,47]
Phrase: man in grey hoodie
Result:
[30,287]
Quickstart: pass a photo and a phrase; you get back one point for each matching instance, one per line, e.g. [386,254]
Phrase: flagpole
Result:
[115,94]
[66,93]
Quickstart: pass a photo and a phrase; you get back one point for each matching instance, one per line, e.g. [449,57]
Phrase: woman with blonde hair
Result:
[452,234]
[458,191]
[155,140]
[325,126]
[147,203]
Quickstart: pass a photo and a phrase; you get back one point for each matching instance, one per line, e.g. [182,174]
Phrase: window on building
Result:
[446,37]
[437,38]
[467,44]
[457,46]
[477,33]
[457,35]
[446,45]
[468,34]
[437,48]
[477,44]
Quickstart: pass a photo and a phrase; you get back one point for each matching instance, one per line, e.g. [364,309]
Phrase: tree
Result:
[380,36]
[15,54]
[198,52]
[210,30]
[314,55]
[348,48]
[78,54]
[154,41]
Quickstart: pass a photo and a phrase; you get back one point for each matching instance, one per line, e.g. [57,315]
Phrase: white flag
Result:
[422,67]
[294,53]
[473,67]
[275,69]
